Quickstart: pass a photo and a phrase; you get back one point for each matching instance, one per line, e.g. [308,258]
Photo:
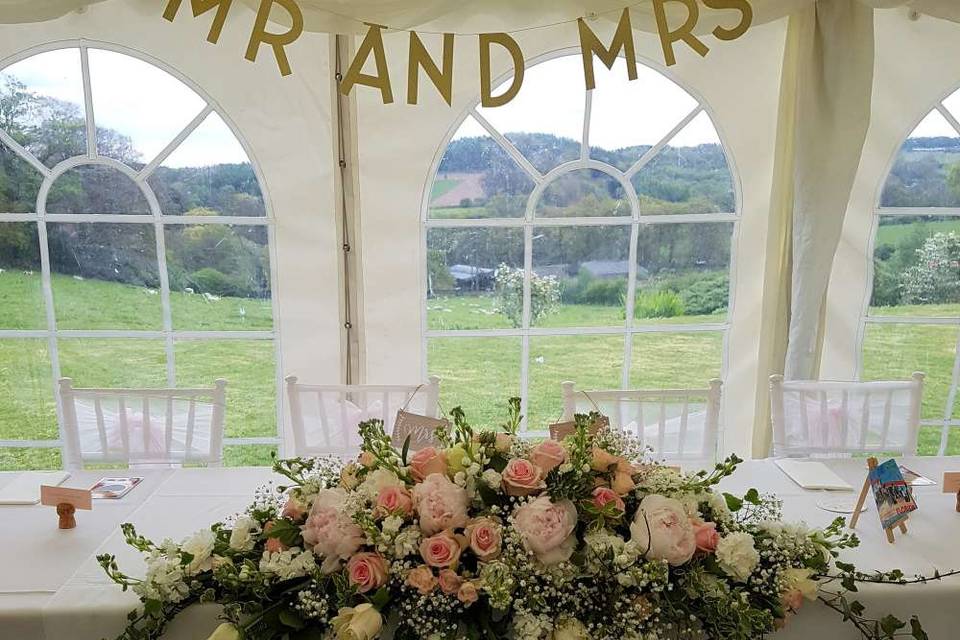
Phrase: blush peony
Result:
[548,455]
[426,462]
[367,571]
[521,478]
[329,531]
[546,528]
[440,503]
[661,526]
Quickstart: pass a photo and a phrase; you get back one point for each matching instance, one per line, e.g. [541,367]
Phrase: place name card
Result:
[67,501]
[951,481]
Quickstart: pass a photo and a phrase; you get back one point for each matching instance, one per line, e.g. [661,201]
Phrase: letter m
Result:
[202,6]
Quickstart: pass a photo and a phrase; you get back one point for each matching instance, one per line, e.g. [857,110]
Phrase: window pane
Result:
[924,173]
[592,362]
[894,351]
[249,455]
[690,175]
[21,294]
[583,193]
[219,277]
[477,374]
[46,94]
[683,272]
[676,360]
[587,267]
[461,288]
[478,179]
[209,173]
[121,110]
[19,181]
[94,188]
[26,458]
[652,104]
[105,276]
[545,120]
[251,375]
[916,267]
[27,409]
[113,363]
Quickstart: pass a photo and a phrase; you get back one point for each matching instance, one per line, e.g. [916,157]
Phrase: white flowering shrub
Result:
[544,294]
[935,279]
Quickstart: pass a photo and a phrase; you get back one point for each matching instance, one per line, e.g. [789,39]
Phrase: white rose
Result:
[569,629]
[491,478]
[737,556]
[661,527]
[362,622]
[242,536]
[200,546]
[225,631]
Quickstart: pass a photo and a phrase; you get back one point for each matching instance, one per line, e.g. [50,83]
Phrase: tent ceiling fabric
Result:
[348,16]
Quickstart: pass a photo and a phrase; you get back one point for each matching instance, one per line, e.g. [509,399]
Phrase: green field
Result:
[477,373]
[891,233]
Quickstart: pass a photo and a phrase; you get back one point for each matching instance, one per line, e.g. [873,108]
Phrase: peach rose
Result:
[504,442]
[484,538]
[367,459]
[546,528]
[422,579]
[662,527]
[603,496]
[394,500]
[440,503]
[623,482]
[295,508]
[522,477]
[441,550]
[427,461]
[603,460]
[705,534]
[547,455]
[450,581]
[792,599]
[468,593]
[367,571]
[273,545]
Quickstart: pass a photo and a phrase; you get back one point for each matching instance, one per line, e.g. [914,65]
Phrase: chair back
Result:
[678,424]
[324,418]
[143,427]
[814,418]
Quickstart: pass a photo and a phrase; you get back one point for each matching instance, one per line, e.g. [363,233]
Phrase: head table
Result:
[52,588]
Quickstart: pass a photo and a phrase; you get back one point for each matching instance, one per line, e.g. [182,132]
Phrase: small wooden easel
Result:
[871,465]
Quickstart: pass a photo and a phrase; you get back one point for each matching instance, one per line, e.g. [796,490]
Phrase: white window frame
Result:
[157,218]
[529,220]
[947,422]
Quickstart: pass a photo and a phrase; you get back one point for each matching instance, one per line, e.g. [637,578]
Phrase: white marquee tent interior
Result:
[792,174]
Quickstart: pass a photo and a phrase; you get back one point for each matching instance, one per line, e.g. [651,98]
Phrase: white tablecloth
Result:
[52,588]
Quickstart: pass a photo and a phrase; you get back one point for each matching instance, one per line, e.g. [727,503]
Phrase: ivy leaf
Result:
[846,567]
[285,531]
[752,496]
[891,624]
[733,502]
[857,607]
[291,619]
[380,599]
[916,630]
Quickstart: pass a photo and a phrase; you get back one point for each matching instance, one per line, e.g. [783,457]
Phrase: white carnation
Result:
[377,480]
[737,556]
[242,535]
[200,546]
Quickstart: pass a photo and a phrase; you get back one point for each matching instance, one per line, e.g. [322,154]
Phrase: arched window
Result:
[578,235]
[133,247]
[911,323]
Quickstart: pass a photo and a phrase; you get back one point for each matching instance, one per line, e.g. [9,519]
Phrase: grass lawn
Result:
[478,373]
[891,233]
[461,213]
[441,187]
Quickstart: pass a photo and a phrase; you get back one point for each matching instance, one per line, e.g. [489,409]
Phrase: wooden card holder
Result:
[420,429]
[67,501]
[560,430]
[951,484]
[872,464]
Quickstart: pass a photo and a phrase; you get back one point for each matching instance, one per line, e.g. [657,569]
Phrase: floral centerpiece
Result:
[489,536]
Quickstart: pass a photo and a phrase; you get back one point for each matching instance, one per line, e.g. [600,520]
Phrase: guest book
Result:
[811,474]
[25,488]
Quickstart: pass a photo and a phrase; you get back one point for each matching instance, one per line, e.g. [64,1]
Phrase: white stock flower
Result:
[737,556]
[569,629]
[164,579]
[287,564]
[491,478]
[200,546]
[242,535]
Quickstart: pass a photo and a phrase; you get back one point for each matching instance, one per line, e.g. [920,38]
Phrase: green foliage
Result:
[544,294]
[706,295]
[658,304]
[935,278]
[588,289]
[438,274]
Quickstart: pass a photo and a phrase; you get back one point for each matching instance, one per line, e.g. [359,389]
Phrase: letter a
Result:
[373,41]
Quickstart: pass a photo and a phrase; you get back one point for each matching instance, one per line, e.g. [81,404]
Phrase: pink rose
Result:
[547,455]
[603,496]
[661,525]
[705,534]
[294,509]
[394,500]
[427,461]
[450,581]
[522,477]
[441,504]
[484,538]
[273,545]
[422,579]
[441,550]
[329,531]
[367,571]
[468,593]
[546,528]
